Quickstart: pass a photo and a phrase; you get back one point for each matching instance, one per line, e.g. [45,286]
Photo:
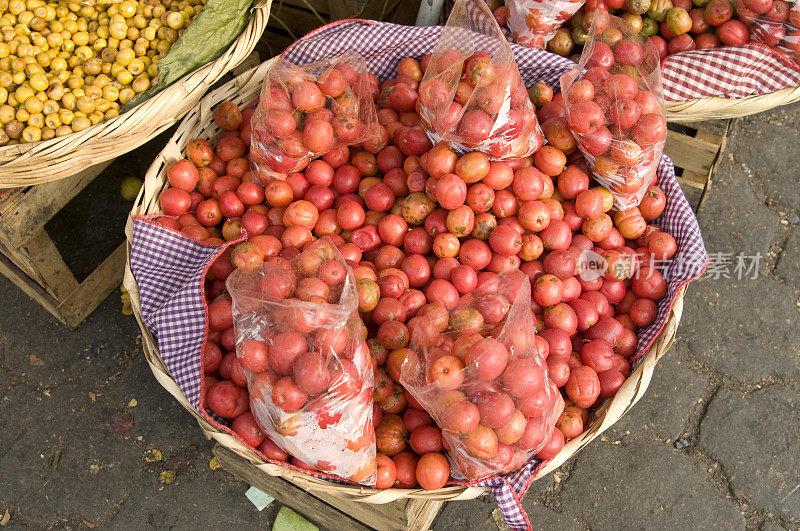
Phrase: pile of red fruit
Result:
[420,225]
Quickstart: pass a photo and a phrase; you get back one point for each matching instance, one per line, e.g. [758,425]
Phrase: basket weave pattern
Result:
[723,108]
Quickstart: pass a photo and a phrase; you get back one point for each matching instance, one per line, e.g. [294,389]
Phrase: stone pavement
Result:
[715,443]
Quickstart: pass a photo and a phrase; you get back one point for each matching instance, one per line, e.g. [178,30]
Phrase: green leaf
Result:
[207,37]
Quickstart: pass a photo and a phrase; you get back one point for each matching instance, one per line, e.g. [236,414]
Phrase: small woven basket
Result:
[243,91]
[50,160]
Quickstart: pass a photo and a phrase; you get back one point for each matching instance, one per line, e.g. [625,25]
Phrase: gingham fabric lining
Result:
[731,72]
[169,268]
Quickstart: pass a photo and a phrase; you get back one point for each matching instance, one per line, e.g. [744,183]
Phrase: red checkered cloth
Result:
[730,72]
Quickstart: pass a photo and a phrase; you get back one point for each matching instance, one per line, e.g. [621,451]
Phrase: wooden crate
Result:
[695,150]
[30,259]
[329,512]
[291,19]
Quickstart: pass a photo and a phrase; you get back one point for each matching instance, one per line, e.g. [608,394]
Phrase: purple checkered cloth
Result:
[169,268]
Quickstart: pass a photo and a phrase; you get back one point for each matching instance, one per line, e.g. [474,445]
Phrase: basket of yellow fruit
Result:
[82,82]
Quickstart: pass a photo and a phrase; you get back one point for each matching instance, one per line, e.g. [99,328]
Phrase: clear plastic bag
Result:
[615,108]
[481,375]
[534,22]
[777,25]
[300,340]
[472,96]
[305,111]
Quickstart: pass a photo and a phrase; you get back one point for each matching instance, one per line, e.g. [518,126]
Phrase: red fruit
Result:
[311,373]
[447,372]
[451,191]
[534,435]
[487,359]
[481,442]
[426,438]
[628,52]
[247,429]
[475,127]
[602,56]
[583,386]
[682,43]
[610,382]
[318,136]
[523,377]
[387,472]
[585,117]
[496,409]
[227,399]
[406,470]
[598,355]
[228,116]
[432,471]
[552,447]
[758,6]
[254,356]
[287,396]
[625,112]
[183,175]
[175,201]
[460,417]
[649,130]
[733,33]
[273,451]
[220,315]
[620,86]
[597,143]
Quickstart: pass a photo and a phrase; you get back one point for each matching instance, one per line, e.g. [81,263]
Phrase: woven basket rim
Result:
[57,158]
[146,203]
[718,108]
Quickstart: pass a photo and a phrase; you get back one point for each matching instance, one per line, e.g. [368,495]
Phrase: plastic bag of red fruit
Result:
[472,96]
[534,22]
[480,372]
[305,111]
[775,23]
[300,341]
[615,109]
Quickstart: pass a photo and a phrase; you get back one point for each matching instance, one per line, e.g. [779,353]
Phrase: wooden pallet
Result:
[330,512]
[30,259]
[695,149]
[291,19]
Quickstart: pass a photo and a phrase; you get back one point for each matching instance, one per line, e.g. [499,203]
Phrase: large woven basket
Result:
[244,90]
[724,108]
[50,160]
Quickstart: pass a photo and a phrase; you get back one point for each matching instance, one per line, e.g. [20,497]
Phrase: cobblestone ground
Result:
[714,443]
